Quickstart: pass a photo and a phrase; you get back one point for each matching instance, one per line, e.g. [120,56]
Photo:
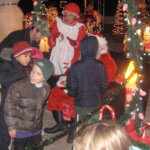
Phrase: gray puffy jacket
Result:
[24,106]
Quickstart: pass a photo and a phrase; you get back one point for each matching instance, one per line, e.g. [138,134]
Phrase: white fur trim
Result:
[77,16]
[61,79]
[28,49]
[102,46]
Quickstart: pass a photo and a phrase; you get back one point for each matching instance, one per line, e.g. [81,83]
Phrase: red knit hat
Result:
[72,8]
[21,48]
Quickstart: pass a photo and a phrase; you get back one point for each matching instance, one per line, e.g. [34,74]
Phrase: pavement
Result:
[61,144]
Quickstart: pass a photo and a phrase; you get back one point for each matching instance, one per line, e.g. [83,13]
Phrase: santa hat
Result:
[72,8]
[102,44]
[21,48]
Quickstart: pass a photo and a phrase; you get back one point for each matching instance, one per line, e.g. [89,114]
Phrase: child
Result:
[101,135]
[24,105]
[12,68]
[87,79]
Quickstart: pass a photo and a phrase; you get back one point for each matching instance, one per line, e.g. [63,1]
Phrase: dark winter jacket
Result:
[24,105]
[16,36]
[10,71]
[87,78]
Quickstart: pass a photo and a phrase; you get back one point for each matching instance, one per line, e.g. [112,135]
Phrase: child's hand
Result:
[12,133]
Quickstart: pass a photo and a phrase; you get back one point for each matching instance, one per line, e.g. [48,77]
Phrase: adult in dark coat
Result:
[32,35]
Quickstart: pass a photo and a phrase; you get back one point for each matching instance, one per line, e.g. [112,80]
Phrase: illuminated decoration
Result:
[134,46]
[44,47]
[27,21]
[93,22]
[11,17]
[38,10]
[142,9]
[130,69]
[144,35]
[119,25]
[51,14]
[110,108]
[146,38]
[98,17]
[131,83]
[85,4]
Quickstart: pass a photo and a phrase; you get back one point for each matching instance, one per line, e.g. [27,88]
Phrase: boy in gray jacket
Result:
[24,105]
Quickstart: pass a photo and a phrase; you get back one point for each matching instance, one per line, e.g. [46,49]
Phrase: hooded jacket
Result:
[10,71]
[24,106]
[87,78]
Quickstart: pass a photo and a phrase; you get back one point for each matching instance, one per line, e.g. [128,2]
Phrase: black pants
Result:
[20,144]
[4,142]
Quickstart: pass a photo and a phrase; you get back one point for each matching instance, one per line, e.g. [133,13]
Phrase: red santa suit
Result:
[104,56]
[65,49]
[65,41]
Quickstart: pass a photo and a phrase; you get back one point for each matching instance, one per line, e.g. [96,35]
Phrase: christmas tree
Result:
[119,26]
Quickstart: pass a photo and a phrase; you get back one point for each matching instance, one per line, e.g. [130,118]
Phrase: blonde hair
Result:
[101,135]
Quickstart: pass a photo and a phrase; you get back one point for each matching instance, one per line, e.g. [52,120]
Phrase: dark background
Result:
[107,7]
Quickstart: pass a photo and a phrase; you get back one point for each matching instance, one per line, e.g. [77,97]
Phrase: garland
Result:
[38,10]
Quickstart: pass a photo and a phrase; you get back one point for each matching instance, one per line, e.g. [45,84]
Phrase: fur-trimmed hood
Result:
[6,54]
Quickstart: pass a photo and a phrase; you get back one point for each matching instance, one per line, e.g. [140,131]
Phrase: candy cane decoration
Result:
[147,124]
[110,109]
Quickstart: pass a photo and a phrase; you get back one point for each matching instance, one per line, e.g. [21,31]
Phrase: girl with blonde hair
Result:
[101,135]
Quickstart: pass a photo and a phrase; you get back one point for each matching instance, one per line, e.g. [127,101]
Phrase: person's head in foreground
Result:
[41,71]
[101,135]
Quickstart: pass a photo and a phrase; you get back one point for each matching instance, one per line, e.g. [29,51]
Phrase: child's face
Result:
[24,59]
[36,75]
[69,18]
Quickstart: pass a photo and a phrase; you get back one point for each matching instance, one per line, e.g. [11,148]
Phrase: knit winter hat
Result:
[21,48]
[46,67]
[72,8]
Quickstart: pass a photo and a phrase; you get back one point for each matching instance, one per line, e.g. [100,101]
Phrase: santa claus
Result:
[104,55]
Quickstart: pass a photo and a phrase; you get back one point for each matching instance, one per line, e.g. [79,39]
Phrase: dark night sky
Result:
[110,5]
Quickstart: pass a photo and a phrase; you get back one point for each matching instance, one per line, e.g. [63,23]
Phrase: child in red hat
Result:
[66,35]
[11,71]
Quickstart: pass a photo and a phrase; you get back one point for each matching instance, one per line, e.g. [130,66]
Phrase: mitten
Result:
[72,42]
[55,36]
